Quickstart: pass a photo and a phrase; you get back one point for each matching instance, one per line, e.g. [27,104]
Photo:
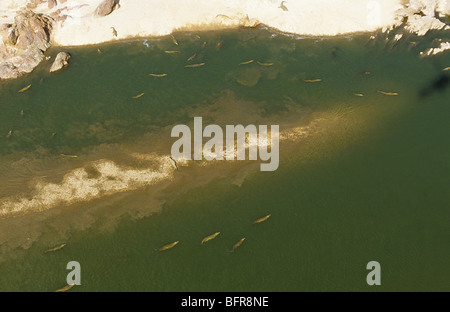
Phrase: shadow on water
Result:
[439,85]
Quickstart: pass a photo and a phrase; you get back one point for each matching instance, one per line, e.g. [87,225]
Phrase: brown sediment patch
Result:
[95,180]
[50,192]
[136,179]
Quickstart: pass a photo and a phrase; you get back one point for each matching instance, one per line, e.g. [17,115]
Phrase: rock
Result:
[23,44]
[8,71]
[419,16]
[58,16]
[105,7]
[29,60]
[52,4]
[4,27]
[444,46]
[32,4]
[8,34]
[61,61]
[12,36]
[33,31]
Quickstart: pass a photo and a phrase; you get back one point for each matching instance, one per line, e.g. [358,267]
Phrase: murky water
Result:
[361,178]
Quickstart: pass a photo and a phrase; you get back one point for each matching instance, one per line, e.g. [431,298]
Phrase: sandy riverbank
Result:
[79,25]
[157,18]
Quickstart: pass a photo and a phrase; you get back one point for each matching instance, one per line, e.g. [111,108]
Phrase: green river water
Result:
[369,183]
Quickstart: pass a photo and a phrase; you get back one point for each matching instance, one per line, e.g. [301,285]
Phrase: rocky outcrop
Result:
[61,61]
[419,16]
[32,4]
[52,4]
[443,46]
[22,44]
[106,7]
[8,70]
